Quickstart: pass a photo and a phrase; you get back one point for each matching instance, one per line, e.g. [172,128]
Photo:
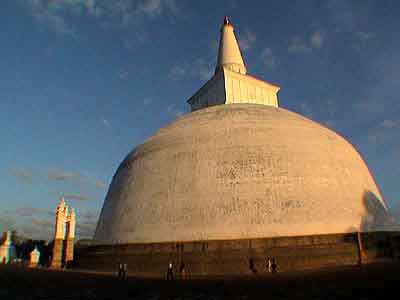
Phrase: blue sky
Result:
[84,81]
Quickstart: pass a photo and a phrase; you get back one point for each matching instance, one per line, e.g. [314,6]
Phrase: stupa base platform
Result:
[241,257]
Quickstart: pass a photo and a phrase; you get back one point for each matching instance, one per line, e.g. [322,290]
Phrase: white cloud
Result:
[365,36]
[389,124]
[214,47]
[383,131]
[128,12]
[199,69]
[202,69]
[330,123]
[123,74]
[174,112]
[268,58]
[147,101]
[151,7]
[46,13]
[55,15]
[383,92]
[306,109]
[297,45]
[247,40]
[177,72]
[105,122]
[154,8]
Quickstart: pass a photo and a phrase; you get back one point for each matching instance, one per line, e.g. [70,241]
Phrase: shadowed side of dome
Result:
[238,171]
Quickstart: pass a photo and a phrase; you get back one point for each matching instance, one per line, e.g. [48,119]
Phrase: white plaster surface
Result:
[241,88]
[34,257]
[230,84]
[240,171]
[228,87]
[61,215]
[229,55]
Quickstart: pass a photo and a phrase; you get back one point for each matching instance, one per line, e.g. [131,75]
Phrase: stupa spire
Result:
[230,83]
[229,55]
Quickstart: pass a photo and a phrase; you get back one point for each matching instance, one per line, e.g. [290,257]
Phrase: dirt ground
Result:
[374,281]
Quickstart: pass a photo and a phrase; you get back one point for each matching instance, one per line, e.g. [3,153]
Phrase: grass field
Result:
[374,281]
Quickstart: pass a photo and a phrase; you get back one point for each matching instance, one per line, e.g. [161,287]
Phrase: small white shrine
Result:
[34,257]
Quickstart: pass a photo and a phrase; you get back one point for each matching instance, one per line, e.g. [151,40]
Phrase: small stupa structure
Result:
[64,235]
[34,257]
[7,249]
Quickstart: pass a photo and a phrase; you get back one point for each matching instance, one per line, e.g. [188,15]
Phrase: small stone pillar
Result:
[64,235]
[59,235]
[69,247]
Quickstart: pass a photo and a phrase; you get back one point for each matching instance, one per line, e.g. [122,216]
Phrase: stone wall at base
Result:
[69,250]
[234,257]
[57,256]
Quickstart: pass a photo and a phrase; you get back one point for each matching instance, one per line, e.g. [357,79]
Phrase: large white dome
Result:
[240,171]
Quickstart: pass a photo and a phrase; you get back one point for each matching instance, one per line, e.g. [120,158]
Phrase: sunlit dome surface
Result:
[240,171]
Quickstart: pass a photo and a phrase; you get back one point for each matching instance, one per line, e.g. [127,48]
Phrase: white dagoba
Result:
[7,250]
[34,257]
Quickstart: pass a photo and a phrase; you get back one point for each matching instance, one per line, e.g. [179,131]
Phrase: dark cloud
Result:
[27,211]
[23,175]
[72,196]
[89,215]
[6,223]
[37,228]
[42,223]
[74,177]
[85,229]
[39,224]
[100,184]
[62,175]
[389,124]
[86,224]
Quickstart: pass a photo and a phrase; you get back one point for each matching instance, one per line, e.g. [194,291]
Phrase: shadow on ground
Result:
[366,282]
